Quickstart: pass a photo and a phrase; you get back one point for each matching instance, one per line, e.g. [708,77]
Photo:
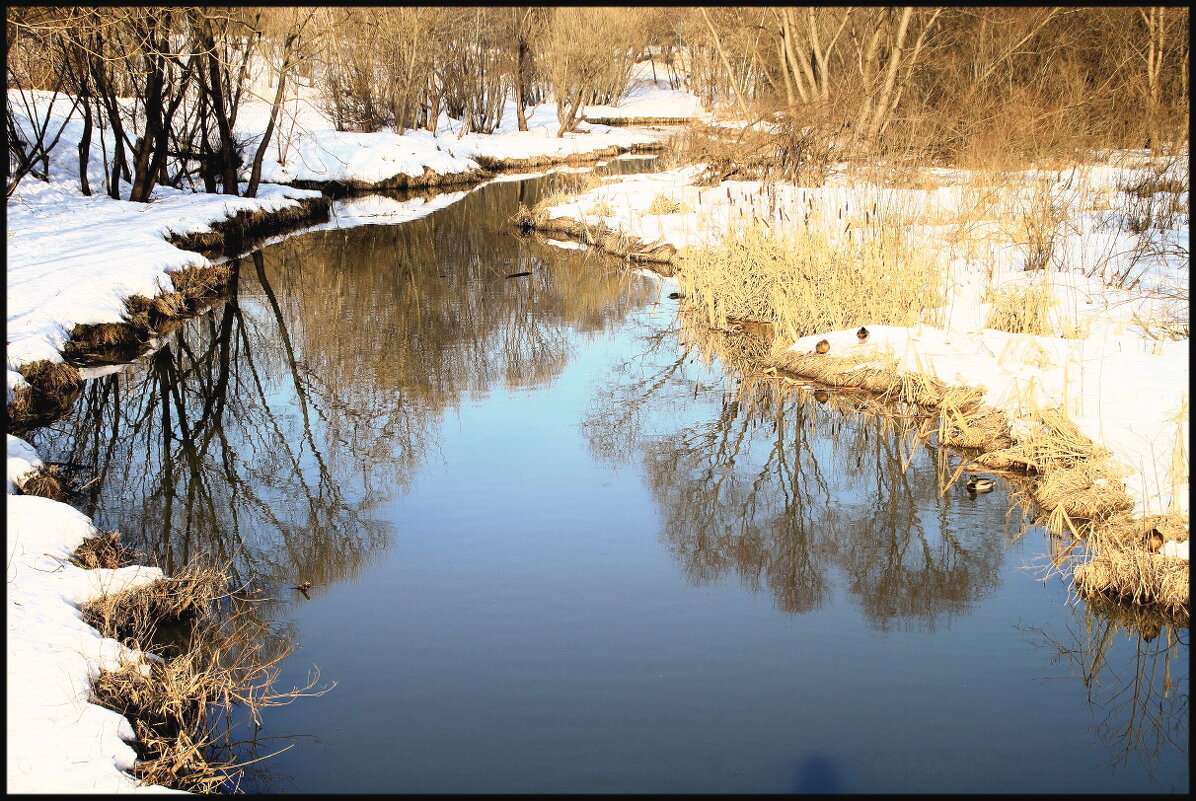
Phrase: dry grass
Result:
[663,204]
[1040,223]
[1155,203]
[812,281]
[46,482]
[1053,441]
[799,154]
[1022,308]
[132,616]
[170,700]
[1136,577]
[52,378]
[523,219]
[104,550]
[53,387]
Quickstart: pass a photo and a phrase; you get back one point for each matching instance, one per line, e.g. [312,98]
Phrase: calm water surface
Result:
[559,546]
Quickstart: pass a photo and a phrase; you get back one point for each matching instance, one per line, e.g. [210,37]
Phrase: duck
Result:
[1154,540]
[862,334]
[975,484]
[822,347]
[304,587]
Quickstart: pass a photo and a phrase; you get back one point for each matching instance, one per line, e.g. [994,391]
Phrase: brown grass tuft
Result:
[104,550]
[133,615]
[224,662]
[53,387]
[1138,577]
[51,378]
[663,204]
[46,482]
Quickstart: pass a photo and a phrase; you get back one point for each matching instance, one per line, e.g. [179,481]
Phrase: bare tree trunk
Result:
[143,176]
[255,173]
[85,147]
[521,70]
[882,102]
[718,44]
[227,159]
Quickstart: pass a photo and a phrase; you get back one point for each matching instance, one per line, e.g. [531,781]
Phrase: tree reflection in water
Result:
[271,431]
[1140,689]
[783,488]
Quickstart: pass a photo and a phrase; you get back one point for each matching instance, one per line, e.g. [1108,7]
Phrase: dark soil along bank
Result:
[555,546]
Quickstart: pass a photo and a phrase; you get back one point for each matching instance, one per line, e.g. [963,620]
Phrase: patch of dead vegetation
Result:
[52,388]
[105,550]
[45,482]
[170,692]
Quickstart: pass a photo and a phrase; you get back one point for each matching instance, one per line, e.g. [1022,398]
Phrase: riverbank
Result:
[312,153]
[59,741]
[1059,298]
[93,280]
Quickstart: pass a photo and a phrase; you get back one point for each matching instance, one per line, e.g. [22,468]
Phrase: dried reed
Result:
[225,662]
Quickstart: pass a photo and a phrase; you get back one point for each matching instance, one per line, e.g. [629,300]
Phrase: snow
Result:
[652,98]
[22,461]
[1176,549]
[1117,374]
[74,259]
[556,243]
[309,147]
[59,741]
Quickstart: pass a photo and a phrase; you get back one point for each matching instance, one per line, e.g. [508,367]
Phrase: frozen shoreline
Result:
[74,260]
[1125,387]
[66,744]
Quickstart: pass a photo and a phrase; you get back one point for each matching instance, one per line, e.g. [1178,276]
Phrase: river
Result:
[559,542]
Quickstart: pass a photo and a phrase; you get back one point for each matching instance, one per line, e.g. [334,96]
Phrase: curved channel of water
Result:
[556,545]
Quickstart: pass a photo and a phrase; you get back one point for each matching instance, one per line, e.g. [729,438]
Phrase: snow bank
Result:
[309,148]
[59,742]
[1117,374]
[75,260]
[648,98]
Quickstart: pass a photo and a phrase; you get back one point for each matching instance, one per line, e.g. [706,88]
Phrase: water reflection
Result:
[782,487]
[270,431]
[533,636]
[1140,694]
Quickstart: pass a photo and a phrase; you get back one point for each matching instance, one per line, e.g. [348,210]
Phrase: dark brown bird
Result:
[1154,541]
[822,347]
[304,587]
[675,296]
[821,395]
[862,334]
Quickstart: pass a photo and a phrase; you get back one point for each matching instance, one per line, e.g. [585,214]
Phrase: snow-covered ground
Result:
[75,259]
[58,741]
[652,98]
[1112,366]
[307,146]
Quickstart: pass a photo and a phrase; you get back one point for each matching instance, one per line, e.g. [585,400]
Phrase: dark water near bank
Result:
[558,547]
